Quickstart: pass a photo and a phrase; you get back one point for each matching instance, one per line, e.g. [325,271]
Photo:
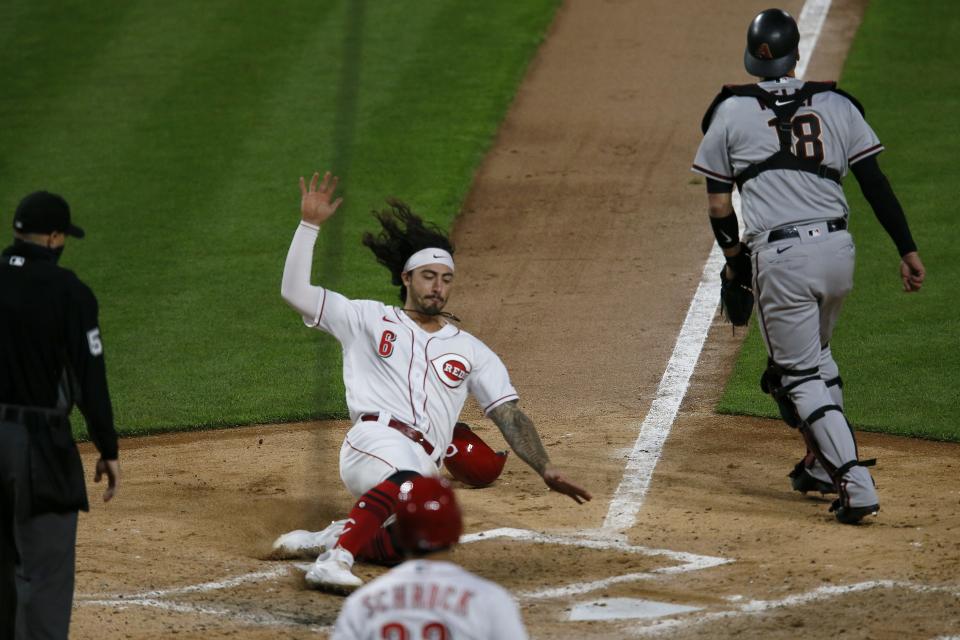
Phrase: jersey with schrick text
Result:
[429,600]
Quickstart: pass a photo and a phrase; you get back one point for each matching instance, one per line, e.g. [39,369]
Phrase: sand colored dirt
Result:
[580,249]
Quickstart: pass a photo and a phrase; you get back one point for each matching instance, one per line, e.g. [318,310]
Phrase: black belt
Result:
[16,413]
[403,428]
[837,224]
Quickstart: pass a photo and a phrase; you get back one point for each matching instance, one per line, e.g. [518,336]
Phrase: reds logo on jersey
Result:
[452,369]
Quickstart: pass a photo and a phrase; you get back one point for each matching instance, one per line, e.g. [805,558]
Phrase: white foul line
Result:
[646,451]
[642,460]
[810,23]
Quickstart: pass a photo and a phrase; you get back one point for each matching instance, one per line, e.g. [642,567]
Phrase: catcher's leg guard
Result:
[841,507]
[830,373]
[808,474]
[830,437]
[771,382]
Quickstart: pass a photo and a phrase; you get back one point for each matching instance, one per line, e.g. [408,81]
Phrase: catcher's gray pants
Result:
[800,285]
[36,551]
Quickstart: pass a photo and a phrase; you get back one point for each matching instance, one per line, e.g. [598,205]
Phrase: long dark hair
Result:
[402,234]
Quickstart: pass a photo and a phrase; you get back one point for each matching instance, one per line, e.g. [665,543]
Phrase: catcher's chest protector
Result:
[784,109]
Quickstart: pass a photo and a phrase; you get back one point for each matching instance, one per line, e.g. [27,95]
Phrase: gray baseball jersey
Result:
[828,128]
[431,600]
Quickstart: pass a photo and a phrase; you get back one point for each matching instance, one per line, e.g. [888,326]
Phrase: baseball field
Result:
[554,139]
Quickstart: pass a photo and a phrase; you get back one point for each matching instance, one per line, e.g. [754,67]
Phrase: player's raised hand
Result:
[315,204]
[912,272]
[558,483]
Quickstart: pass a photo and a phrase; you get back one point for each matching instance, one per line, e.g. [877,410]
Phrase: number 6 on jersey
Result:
[386,343]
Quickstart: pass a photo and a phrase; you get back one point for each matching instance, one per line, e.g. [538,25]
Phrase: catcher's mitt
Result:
[736,293]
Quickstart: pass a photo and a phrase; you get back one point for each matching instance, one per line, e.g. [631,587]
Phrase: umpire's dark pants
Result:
[36,551]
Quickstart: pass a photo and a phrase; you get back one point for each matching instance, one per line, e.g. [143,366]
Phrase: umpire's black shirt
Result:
[50,350]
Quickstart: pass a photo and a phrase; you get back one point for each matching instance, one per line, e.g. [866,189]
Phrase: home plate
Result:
[625,609]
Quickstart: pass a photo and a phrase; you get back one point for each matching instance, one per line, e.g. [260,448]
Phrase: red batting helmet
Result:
[471,460]
[428,516]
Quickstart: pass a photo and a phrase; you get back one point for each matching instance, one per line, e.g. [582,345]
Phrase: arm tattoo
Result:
[521,435]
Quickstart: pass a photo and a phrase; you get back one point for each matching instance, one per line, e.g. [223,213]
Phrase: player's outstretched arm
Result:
[315,208]
[518,430]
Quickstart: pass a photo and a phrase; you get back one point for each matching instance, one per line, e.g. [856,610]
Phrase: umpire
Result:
[51,357]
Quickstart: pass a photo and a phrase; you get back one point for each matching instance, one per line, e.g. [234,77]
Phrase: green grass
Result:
[899,354]
[177,131]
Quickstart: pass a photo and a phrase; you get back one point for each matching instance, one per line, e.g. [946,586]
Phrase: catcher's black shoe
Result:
[803,482]
[852,515]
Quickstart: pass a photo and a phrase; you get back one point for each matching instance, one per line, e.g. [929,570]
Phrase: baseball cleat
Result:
[802,481]
[306,544]
[852,515]
[331,572]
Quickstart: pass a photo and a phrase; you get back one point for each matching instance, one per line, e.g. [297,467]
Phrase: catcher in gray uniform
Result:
[787,144]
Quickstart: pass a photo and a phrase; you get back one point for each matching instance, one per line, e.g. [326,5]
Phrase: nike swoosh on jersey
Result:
[782,249]
[780,104]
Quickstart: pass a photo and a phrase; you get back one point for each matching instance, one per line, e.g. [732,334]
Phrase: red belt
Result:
[403,428]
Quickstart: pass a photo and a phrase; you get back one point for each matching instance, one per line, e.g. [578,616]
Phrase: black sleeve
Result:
[89,372]
[878,192]
[719,186]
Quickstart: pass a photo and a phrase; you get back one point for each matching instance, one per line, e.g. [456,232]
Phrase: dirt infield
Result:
[580,249]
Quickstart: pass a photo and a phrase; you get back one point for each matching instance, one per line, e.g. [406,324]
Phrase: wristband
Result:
[726,231]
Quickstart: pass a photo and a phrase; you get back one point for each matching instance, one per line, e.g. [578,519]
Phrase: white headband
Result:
[430,255]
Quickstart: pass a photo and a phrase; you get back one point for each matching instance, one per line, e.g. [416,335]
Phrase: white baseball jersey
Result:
[429,600]
[743,132]
[392,365]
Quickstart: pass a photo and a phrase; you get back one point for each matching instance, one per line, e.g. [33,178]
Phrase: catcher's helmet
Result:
[471,460]
[428,516]
[772,42]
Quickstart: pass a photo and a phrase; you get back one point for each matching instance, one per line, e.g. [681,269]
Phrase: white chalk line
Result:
[686,561]
[263,618]
[810,23]
[585,540]
[600,540]
[758,607]
[227,583]
[628,498]
[152,599]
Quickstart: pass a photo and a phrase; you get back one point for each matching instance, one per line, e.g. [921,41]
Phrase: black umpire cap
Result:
[45,212]
[772,41]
